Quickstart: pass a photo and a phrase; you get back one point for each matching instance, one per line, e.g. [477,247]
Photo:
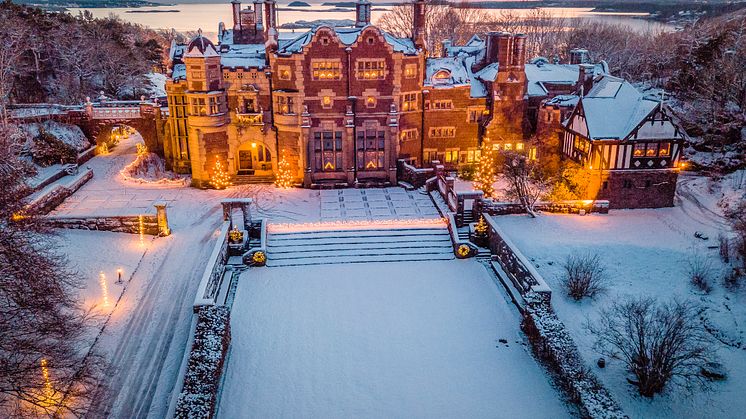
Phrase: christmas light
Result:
[141,227]
[48,391]
[142,153]
[284,174]
[485,176]
[219,178]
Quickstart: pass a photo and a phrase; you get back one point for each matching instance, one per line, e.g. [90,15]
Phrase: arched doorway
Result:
[254,158]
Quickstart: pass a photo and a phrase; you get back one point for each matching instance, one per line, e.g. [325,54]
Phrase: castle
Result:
[342,105]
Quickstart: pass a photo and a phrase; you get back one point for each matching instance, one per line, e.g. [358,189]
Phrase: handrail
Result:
[210,282]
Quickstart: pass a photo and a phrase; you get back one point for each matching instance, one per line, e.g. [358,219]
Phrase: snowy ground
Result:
[417,339]
[645,252]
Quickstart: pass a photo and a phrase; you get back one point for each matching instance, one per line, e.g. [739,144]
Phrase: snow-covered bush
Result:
[48,150]
[585,275]
[211,339]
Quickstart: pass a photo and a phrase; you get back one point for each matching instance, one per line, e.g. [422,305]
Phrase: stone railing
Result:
[459,246]
[458,202]
[45,201]
[150,224]
[414,176]
[212,277]
[519,270]
[493,207]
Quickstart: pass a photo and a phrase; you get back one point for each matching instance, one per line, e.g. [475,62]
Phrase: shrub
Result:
[724,247]
[658,343]
[585,275]
[49,150]
[699,269]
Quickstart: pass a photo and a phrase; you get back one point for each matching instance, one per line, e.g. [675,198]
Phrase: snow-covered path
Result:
[380,340]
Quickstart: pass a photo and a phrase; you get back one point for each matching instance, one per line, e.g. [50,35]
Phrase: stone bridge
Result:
[96,118]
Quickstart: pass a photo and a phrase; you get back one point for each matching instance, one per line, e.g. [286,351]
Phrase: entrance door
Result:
[245,161]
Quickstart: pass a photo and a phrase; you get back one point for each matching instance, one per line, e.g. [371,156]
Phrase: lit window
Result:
[284,72]
[326,102]
[409,135]
[442,132]
[370,145]
[370,102]
[495,146]
[451,156]
[639,150]
[652,150]
[508,146]
[442,104]
[285,105]
[519,146]
[328,150]
[371,69]
[441,76]
[410,71]
[665,150]
[409,102]
[325,70]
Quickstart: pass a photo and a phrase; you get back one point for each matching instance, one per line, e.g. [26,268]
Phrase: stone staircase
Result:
[398,244]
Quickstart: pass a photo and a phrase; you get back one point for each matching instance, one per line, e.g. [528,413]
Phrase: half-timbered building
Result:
[628,142]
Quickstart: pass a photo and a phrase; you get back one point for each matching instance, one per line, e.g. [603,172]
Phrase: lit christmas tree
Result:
[485,176]
[219,178]
[284,174]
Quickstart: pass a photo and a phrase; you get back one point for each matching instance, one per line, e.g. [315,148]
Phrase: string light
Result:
[141,227]
[284,174]
[352,224]
[219,178]
[485,176]
[142,153]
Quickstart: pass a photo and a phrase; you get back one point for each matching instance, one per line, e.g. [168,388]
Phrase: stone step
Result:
[304,261]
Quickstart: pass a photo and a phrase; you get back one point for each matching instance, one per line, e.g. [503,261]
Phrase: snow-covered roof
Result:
[245,56]
[446,72]
[613,108]
[488,73]
[346,36]
[540,72]
[179,72]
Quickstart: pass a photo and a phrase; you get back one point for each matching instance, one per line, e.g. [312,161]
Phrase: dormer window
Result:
[441,76]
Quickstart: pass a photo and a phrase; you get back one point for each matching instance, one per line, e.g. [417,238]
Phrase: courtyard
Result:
[410,340]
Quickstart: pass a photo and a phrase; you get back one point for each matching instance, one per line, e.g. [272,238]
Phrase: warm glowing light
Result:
[253,145]
[219,178]
[485,176]
[284,174]
[371,165]
[142,152]
[328,166]
[141,231]
[104,289]
[355,224]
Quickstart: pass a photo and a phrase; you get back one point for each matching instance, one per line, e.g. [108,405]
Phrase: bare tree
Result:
[659,343]
[524,179]
[43,367]
[700,270]
[585,275]
[13,34]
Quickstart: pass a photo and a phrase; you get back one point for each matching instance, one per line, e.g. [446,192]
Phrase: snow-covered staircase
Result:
[359,245]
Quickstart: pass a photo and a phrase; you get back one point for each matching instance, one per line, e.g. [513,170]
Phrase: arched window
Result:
[441,76]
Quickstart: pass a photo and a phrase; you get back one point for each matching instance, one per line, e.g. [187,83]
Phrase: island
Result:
[299,4]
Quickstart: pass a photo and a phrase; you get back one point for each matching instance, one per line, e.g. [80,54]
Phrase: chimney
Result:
[504,51]
[578,56]
[445,45]
[519,50]
[236,15]
[418,29]
[270,12]
[258,14]
[585,77]
[362,15]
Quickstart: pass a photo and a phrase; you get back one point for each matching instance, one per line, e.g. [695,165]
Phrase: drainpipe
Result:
[422,128]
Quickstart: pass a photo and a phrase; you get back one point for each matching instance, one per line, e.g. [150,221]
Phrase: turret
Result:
[418,29]
[362,15]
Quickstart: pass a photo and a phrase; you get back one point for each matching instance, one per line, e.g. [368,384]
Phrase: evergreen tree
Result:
[284,174]
[219,178]
[485,176]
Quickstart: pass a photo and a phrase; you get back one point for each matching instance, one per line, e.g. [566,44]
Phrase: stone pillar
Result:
[163,229]
[228,213]
[246,210]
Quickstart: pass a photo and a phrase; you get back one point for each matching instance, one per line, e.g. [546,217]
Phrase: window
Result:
[442,132]
[371,69]
[326,102]
[451,156]
[473,115]
[409,102]
[473,156]
[216,105]
[430,155]
[409,135]
[327,146]
[442,104]
[410,71]
[370,102]
[496,146]
[519,146]
[639,150]
[248,105]
[665,150]
[652,150]
[325,70]
[198,106]
[370,148]
[507,146]
[582,144]
[442,76]
[284,72]
[285,105]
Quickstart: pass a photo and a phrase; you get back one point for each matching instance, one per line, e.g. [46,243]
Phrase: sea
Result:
[190,15]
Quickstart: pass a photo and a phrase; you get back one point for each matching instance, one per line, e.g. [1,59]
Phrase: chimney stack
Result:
[585,77]
[258,14]
[418,30]
[236,15]
[270,12]
[519,51]
[578,56]
[362,13]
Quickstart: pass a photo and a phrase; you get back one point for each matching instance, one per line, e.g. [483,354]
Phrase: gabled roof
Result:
[347,36]
[244,56]
[613,108]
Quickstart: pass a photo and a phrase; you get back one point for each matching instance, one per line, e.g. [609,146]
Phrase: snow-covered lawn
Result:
[645,252]
[383,340]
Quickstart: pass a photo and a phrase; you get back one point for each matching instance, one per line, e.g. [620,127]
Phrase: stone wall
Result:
[412,175]
[45,203]
[563,207]
[117,223]
[635,188]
